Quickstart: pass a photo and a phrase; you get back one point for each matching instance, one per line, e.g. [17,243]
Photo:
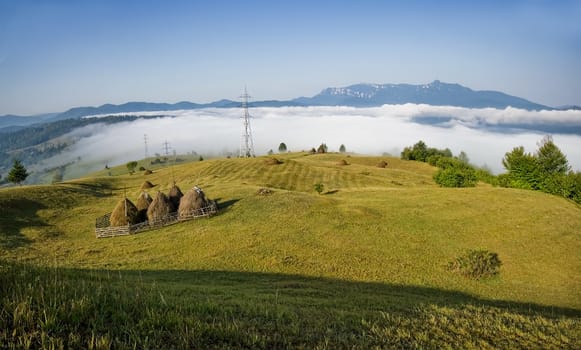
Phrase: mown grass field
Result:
[362,265]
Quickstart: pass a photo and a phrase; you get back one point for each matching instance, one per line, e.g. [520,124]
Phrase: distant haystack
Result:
[175,194]
[263,191]
[142,205]
[147,172]
[159,209]
[192,203]
[272,161]
[382,164]
[342,162]
[125,213]
[147,185]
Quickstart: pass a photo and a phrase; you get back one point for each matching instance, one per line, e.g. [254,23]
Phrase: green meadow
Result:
[364,264]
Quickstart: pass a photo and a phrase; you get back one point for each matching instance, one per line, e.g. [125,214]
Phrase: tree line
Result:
[545,170]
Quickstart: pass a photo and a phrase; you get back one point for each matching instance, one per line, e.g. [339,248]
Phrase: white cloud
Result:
[363,130]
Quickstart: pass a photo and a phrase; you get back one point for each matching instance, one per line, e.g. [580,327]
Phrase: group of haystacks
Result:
[162,207]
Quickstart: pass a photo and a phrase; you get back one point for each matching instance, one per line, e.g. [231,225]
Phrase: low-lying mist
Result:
[373,131]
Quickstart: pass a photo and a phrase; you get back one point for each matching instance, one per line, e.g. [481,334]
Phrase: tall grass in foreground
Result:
[61,308]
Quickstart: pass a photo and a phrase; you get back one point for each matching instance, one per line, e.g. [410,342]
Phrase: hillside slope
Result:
[375,224]
[376,239]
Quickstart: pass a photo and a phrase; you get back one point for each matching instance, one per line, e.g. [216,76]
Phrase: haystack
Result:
[142,204]
[263,191]
[272,161]
[143,201]
[175,194]
[159,209]
[342,162]
[147,185]
[192,203]
[125,213]
[382,164]
[147,172]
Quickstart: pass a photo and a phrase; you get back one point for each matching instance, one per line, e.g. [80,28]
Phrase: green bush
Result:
[319,187]
[476,264]
[575,186]
[421,152]
[433,160]
[546,170]
[485,175]
[503,180]
[448,162]
[456,177]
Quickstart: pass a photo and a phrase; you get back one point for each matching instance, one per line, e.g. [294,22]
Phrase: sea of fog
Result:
[370,131]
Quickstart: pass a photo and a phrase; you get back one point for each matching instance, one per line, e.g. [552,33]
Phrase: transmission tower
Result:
[145,140]
[166,148]
[246,142]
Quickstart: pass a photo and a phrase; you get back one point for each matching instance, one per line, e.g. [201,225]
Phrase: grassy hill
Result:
[362,265]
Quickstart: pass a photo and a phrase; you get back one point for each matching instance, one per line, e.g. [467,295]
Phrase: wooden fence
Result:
[104,229]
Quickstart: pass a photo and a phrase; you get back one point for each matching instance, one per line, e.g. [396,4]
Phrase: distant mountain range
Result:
[435,93]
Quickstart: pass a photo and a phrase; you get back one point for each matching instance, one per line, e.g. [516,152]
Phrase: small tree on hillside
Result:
[18,173]
[418,152]
[550,158]
[342,149]
[131,166]
[282,148]
[463,157]
[322,148]
[319,187]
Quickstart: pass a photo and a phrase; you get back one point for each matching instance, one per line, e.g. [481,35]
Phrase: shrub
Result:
[319,187]
[456,177]
[131,166]
[454,173]
[575,186]
[433,160]
[485,175]
[421,152]
[476,264]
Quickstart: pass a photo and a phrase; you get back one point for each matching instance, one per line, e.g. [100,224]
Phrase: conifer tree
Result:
[18,173]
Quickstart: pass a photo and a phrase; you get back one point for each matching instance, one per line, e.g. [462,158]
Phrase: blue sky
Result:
[60,54]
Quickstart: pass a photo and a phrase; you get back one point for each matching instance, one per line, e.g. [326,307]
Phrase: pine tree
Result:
[18,173]
[550,158]
[282,147]
[342,149]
